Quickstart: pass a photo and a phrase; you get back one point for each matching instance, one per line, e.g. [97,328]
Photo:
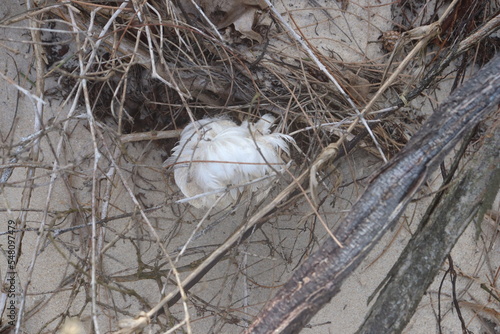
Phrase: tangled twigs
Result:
[425,34]
[106,62]
[320,277]
[34,155]
[322,67]
[243,232]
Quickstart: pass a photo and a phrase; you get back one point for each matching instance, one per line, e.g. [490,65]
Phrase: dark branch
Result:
[320,277]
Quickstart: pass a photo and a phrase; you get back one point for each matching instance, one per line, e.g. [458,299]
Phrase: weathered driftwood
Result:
[316,281]
[442,225]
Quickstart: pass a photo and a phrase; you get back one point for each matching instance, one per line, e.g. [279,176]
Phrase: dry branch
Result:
[151,135]
[34,155]
[320,277]
[440,229]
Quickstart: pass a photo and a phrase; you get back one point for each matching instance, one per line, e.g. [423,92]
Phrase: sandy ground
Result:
[51,279]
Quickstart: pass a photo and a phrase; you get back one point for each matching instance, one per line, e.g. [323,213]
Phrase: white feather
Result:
[219,158]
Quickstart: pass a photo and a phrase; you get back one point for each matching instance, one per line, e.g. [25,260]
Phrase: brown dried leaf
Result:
[241,13]
[358,87]
[244,25]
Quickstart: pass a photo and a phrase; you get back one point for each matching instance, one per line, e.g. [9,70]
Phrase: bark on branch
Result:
[469,197]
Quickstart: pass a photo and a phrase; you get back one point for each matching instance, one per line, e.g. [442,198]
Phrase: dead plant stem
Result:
[34,155]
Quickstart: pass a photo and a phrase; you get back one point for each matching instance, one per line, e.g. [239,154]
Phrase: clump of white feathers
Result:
[218,162]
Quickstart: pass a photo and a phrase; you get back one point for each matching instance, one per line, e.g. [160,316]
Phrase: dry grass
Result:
[130,75]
